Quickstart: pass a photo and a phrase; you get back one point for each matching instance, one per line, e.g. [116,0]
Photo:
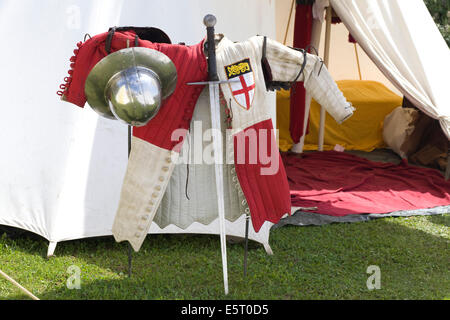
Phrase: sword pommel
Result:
[210,21]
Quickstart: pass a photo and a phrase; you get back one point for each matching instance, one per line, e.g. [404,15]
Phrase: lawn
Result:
[318,262]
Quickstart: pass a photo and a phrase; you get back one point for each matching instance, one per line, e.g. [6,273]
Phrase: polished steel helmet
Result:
[130,84]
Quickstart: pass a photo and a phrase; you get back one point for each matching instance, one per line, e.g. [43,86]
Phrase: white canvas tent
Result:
[62,165]
[402,41]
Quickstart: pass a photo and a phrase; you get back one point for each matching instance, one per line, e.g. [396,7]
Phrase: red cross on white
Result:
[244,90]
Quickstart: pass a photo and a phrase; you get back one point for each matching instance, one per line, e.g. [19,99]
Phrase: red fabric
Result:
[340,184]
[267,194]
[302,38]
[177,110]
[351,39]
[86,57]
[336,20]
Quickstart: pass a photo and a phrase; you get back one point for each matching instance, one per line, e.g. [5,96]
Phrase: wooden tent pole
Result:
[14,282]
[315,42]
[289,22]
[326,58]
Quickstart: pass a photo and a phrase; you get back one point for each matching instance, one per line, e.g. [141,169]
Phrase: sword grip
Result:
[210,21]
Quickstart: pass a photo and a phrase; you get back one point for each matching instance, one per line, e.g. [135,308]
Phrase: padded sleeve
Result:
[286,63]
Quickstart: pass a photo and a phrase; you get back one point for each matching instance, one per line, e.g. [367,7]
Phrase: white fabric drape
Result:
[62,166]
[403,41]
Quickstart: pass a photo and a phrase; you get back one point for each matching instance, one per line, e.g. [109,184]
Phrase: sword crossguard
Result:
[201,83]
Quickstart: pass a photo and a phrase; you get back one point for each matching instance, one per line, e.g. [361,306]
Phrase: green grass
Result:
[324,262]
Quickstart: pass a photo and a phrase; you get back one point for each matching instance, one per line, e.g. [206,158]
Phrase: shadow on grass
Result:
[321,262]
[16,233]
[440,219]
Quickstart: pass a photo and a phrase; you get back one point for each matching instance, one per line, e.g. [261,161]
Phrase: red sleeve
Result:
[86,57]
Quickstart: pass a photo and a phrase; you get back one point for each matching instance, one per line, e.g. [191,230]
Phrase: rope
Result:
[289,22]
[14,282]
[357,61]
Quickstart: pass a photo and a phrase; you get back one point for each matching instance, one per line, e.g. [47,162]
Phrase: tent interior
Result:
[386,128]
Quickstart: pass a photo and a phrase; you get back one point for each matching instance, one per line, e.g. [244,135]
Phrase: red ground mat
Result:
[340,184]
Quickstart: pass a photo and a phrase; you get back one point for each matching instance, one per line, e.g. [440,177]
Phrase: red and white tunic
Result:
[258,172]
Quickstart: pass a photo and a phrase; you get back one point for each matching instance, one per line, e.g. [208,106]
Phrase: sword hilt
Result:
[210,21]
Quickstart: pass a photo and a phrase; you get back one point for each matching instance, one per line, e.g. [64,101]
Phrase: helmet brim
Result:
[123,59]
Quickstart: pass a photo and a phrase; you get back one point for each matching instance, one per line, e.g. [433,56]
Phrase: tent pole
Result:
[315,42]
[51,248]
[130,249]
[326,58]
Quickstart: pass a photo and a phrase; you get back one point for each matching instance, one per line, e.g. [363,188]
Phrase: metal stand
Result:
[247,218]
[130,249]
[130,259]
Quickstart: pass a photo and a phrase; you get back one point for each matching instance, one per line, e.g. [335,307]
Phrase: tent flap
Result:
[403,41]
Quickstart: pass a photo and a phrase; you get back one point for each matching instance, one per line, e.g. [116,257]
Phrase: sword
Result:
[213,83]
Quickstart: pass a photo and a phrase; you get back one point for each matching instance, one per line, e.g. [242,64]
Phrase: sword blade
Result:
[218,168]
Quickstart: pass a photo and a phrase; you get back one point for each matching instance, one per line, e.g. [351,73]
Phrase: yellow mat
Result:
[363,131]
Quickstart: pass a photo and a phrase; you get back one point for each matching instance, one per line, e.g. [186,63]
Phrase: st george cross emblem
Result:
[243,90]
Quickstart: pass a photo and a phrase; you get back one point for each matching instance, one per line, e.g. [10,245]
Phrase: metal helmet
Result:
[130,84]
